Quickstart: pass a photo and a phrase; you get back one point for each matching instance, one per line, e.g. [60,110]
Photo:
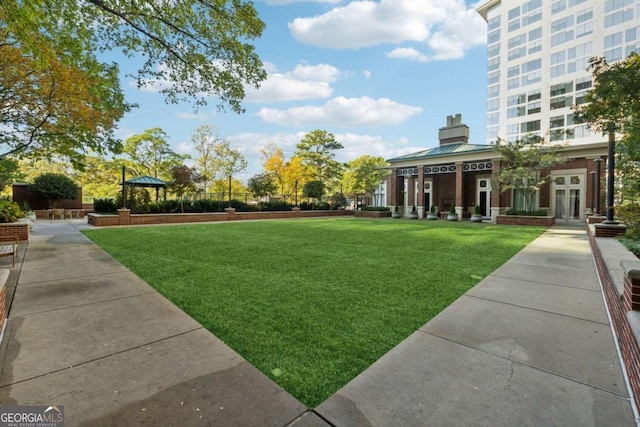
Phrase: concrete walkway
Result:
[529,345]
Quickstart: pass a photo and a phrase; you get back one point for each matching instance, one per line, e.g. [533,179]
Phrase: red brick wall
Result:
[603,230]
[544,221]
[21,194]
[626,340]
[14,229]
[146,219]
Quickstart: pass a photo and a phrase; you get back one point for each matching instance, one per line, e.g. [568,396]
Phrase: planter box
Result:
[541,221]
[19,229]
[372,214]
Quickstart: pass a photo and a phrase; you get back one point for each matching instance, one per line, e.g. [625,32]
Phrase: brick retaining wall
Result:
[125,218]
[543,221]
[15,229]
[625,337]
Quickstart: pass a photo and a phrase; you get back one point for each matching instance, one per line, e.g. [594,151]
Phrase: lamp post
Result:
[593,191]
[124,191]
[229,190]
[611,153]
[598,169]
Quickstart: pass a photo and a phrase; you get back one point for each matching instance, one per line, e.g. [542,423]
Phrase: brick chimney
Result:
[455,132]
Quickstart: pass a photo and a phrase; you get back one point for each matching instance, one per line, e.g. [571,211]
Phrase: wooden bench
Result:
[9,248]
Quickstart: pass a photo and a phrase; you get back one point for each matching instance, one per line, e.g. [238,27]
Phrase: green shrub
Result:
[375,208]
[539,212]
[104,205]
[9,211]
[274,206]
[630,214]
[632,244]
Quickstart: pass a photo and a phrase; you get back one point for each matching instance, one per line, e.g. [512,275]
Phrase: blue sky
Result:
[382,76]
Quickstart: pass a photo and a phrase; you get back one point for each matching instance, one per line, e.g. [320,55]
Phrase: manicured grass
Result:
[312,303]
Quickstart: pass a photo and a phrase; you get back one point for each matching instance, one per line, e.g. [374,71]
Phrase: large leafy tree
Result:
[205,139]
[54,187]
[367,172]
[613,107]
[261,185]
[196,49]
[53,103]
[526,166]
[317,151]
[183,180]
[151,154]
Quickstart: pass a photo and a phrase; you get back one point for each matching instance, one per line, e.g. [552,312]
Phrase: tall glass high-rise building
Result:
[538,55]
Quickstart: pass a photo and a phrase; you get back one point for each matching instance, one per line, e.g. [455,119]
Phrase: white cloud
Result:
[407,53]
[192,116]
[343,111]
[446,28]
[366,74]
[303,82]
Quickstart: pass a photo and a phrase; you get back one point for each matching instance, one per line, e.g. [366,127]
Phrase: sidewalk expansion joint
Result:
[107,356]
[546,283]
[535,368]
[88,275]
[536,309]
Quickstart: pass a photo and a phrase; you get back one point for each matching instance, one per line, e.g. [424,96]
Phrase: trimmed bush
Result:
[274,206]
[9,211]
[375,208]
[539,212]
[104,205]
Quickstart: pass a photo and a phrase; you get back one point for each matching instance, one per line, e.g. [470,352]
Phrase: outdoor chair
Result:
[57,213]
[9,248]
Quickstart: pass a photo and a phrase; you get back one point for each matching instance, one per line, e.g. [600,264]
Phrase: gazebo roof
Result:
[146,181]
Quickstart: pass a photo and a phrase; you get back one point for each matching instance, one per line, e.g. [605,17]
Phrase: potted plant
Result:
[432,213]
[414,213]
[28,213]
[396,212]
[452,216]
[477,214]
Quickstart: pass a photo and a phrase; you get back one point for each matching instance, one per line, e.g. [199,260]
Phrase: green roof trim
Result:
[444,150]
[146,181]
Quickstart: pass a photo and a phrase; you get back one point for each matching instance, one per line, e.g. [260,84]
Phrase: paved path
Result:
[529,345]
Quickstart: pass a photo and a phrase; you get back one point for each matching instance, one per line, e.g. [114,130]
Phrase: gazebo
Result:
[144,181]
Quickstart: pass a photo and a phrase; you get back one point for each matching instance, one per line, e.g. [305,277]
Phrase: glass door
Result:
[568,197]
[484,196]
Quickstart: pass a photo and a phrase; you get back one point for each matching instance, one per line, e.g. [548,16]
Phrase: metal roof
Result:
[444,150]
[146,181]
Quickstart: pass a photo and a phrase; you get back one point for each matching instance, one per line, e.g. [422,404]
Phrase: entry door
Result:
[484,196]
[568,196]
[428,198]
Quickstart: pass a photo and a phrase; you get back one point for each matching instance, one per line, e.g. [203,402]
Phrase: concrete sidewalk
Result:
[529,345]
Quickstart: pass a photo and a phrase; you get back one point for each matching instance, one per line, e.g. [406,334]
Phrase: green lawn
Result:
[312,303]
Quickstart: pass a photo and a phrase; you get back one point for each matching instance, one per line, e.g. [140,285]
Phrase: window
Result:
[618,17]
[582,131]
[493,77]
[556,122]
[561,88]
[514,13]
[533,107]
[493,91]
[492,132]
[516,53]
[584,29]
[493,104]
[558,6]
[530,19]
[515,100]
[493,51]
[531,78]
[531,126]
[513,83]
[535,34]
[516,112]
[514,25]
[583,83]
[533,95]
[561,24]
[536,64]
[613,40]
[535,46]
[613,55]
[517,41]
[493,37]
[562,37]
[493,119]
[493,23]
[519,201]
[513,71]
[561,102]
[531,5]
[493,64]
[558,71]
[513,129]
